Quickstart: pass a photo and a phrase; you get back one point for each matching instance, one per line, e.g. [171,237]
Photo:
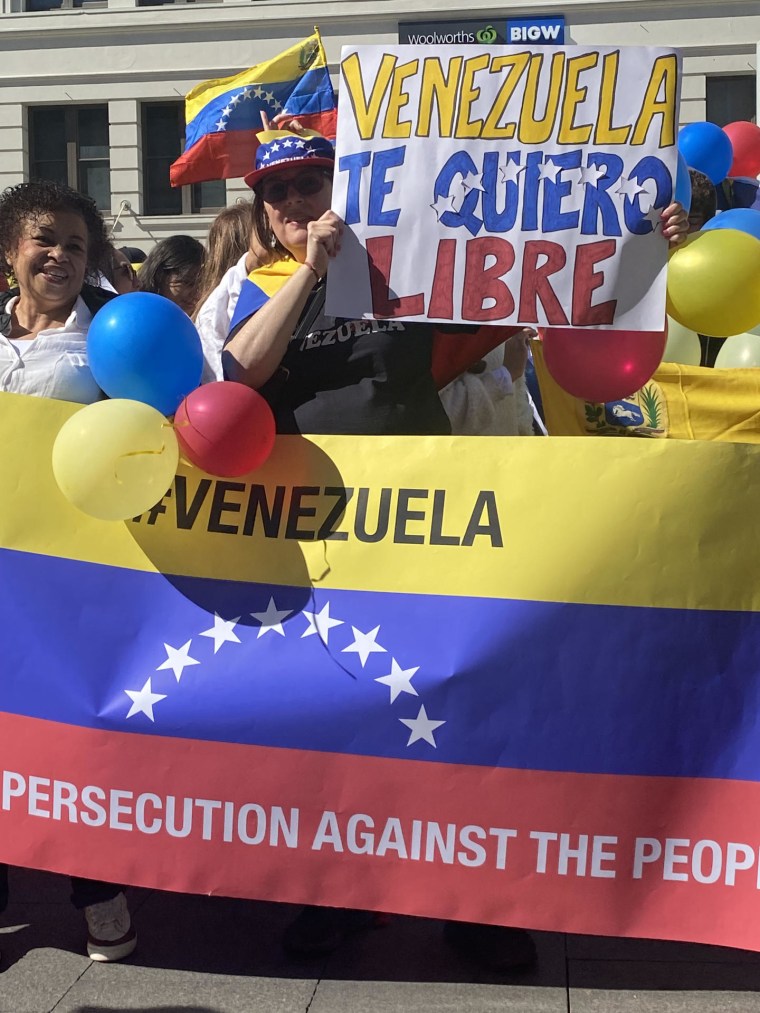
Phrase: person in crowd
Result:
[173,269]
[134,255]
[738,193]
[323,375]
[118,271]
[491,398]
[233,252]
[51,239]
[377,378]
[703,200]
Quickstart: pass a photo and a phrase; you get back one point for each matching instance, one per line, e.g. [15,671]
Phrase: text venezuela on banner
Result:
[504,680]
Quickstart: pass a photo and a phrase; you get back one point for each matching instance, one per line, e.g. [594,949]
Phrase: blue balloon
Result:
[144,347]
[707,149]
[682,190]
[740,219]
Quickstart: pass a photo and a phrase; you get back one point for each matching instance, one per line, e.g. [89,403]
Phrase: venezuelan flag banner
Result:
[505,680]
[679,403]
[223,115]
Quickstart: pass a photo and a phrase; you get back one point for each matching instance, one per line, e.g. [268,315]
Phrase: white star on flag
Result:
[235,99]
[421,727]
[259,92]
[220,125]
[300,143]
[269,96]
[177,659]
[510,171]
[271,619]
[275,146]
[287,144]
[400,680]
[277,105]
[143,700]
[320,623]
[265,157]
[364,644]
[226,111]
[442,205]
[223,631]
[311,151]
[629,187]
[590,174]
[548,170]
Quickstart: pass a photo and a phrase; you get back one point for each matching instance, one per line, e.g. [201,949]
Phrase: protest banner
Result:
[504,184]
[514,687]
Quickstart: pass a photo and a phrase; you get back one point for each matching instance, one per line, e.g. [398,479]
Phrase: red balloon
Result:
[602,366]
[225,428]
[745,139]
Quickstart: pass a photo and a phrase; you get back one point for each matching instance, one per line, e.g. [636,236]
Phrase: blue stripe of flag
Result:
[519,684]
[311,93]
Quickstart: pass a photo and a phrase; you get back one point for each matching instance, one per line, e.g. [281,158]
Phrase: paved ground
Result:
[205,955]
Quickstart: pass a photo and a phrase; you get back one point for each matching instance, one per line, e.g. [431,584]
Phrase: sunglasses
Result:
[306,184]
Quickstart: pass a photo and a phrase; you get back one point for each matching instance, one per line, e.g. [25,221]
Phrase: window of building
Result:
[163,142]
[160,3]
[53,5]
[731,98]
[69,144]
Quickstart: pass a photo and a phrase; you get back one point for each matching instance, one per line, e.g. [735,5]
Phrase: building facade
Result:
[91,91]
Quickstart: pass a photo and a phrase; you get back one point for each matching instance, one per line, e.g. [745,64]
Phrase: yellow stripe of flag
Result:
[655,523]
[286,66]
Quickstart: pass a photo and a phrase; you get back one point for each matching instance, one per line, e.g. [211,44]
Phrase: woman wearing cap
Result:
[336,376]
[323,375]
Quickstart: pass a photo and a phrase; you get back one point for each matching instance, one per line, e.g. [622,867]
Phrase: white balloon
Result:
[682,345]
[741,351]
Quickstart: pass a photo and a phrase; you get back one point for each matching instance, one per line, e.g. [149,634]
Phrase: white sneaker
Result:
[111,936]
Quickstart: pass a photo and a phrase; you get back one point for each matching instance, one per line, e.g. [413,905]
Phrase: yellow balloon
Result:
[115,459]
[741,351]
[682,345]
[714,282]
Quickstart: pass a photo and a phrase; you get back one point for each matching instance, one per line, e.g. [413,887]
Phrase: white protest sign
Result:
[505,185]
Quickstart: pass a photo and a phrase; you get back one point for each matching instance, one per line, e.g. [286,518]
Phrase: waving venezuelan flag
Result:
[224,114]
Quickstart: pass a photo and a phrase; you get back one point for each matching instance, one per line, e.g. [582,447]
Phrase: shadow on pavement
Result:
[222,936]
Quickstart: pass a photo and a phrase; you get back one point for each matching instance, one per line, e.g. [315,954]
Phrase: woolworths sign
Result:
[498,32]
[448,33]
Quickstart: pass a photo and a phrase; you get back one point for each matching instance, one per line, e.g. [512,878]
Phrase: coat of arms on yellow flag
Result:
[679,402]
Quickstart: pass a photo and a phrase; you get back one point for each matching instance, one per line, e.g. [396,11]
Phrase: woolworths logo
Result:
[449,33]
[487,35]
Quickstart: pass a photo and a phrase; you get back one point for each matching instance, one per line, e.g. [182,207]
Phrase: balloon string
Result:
[134,453]
[327,568]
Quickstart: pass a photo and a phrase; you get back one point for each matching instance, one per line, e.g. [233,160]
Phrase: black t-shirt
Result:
[357,377]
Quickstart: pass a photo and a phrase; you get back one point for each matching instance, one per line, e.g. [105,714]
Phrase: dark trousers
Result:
[83,891]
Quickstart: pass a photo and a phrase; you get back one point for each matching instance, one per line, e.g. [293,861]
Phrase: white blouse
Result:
[54,363]
[214,317]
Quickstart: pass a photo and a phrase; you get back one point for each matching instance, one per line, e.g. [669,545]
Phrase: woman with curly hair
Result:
[51,239]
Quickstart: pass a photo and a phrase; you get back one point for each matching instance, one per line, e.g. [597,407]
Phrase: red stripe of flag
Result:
[230,155]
